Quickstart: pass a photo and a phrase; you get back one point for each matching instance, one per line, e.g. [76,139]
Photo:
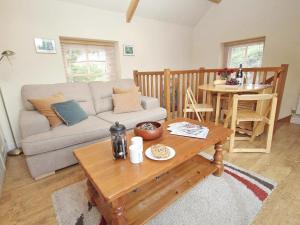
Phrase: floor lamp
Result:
[15,151]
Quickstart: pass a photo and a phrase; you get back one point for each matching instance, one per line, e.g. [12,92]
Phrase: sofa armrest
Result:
[32,122]
[149,102]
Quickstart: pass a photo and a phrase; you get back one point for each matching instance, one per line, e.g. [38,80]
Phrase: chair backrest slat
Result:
[251,97]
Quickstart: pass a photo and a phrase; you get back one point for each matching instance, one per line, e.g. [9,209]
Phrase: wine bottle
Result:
[240,75]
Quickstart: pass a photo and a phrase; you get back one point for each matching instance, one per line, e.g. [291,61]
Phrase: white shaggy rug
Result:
[232,199]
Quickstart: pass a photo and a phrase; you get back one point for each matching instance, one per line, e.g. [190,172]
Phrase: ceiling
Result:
[184,12]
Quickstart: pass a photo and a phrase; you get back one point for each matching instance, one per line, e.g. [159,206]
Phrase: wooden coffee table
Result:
[126,193]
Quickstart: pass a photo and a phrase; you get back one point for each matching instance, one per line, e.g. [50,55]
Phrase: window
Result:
[88,60]
[247,52]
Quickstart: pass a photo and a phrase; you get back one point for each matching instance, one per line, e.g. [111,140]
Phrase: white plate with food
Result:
[160,152]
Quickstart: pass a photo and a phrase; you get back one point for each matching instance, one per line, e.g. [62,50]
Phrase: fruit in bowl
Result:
[148,130]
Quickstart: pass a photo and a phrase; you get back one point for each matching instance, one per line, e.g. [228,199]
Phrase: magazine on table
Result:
[188,129]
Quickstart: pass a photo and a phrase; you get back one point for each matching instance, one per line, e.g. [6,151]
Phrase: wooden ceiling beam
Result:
[131,9]
[215,1]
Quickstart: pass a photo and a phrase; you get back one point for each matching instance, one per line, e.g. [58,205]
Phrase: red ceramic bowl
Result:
[148,134]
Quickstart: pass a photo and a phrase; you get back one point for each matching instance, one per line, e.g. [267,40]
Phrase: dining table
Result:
[230,90]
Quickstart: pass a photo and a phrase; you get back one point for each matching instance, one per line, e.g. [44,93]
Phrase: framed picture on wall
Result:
[128,50]
[43,45]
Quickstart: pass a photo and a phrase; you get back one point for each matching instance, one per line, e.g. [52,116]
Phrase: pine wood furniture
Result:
[267,116]
[132,194]
[170,86]
[230,91]
[191,105]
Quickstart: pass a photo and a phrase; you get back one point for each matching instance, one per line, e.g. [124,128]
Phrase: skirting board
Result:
[295,119]
[285,119]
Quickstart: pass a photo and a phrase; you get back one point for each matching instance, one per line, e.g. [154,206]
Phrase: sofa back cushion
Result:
[102,93]
[44,106]
[80,92]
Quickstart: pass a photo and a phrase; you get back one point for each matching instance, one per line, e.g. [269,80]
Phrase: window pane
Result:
[255,53]
[75,55]
[237,56]
[78,68]
[95,55]
[249,54]
[85,63]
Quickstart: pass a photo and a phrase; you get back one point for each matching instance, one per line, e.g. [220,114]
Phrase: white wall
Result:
[158,45]
[232,20]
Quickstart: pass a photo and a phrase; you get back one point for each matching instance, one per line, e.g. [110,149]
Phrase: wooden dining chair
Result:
[242,115]
[191,105]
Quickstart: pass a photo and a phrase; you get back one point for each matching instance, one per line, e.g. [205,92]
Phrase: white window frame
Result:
[86,44]
[245,42]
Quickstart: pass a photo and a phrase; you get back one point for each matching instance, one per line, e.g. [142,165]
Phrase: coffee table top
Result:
[114,178]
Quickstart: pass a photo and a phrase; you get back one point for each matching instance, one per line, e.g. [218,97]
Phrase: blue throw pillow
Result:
[70,112]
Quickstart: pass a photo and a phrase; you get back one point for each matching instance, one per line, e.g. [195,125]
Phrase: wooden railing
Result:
[170,86]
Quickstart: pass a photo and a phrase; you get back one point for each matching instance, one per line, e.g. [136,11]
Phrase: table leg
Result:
[218,108]
[118,214]
[229,113]
[218,159]
[91,193]
[209,102]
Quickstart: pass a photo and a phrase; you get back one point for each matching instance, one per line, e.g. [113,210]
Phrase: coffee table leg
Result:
[218,159]
[91,192]
[118,214]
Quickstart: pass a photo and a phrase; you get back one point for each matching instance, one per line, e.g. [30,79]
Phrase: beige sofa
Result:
[48,149]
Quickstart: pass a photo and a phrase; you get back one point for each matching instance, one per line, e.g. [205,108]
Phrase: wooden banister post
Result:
[201,81]
[280,89]
[167,100]
[135,77]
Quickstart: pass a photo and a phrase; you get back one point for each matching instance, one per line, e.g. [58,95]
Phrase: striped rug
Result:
[232,199]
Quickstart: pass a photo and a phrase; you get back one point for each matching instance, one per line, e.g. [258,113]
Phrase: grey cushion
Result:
[63,136]
[149,102]
[102,93]
[70,112]
[77,91]
[132,118]
[32,122]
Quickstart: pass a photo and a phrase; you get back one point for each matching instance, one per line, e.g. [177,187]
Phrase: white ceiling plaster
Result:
[184,12]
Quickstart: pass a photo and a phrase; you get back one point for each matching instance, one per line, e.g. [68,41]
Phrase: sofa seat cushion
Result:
[63,136]
[132,118]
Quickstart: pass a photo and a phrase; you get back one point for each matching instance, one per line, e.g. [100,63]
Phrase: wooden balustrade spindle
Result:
[254,77]
[148,85]
[183,90]
[178,94]
[161,89]
[167,75]
[173,95]
[265,77]
[145,77]
[156,86]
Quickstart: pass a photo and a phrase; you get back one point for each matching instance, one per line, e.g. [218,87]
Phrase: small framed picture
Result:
[128,50]
[43,45]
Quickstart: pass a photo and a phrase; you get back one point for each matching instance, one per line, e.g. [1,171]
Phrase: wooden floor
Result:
[25,201]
